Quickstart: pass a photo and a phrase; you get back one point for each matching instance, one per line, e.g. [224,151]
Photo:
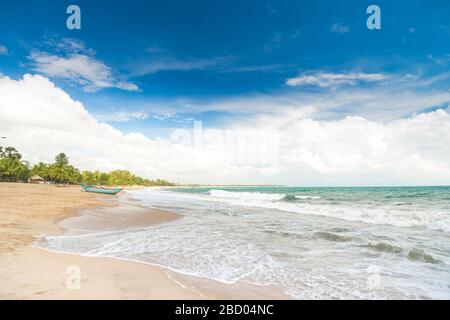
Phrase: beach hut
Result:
[36,179]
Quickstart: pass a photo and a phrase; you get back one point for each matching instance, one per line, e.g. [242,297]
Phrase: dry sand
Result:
[26,272]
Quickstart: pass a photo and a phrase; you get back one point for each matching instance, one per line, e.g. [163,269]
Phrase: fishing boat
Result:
[112,191]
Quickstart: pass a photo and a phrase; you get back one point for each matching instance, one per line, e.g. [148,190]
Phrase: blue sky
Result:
[181,54]
[353,106]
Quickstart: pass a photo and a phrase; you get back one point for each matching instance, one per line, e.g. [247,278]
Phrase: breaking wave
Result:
[374,213]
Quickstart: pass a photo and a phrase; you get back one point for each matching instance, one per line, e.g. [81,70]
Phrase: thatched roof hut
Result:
[36,179]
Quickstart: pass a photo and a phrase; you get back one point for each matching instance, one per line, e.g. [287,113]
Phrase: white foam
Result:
[405,217]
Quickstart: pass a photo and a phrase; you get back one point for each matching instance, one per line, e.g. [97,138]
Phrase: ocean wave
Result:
[222,194]
[329,236]
[297,197]
[216,193]
[412,254]
[384,214]
[421,255]
[386,247]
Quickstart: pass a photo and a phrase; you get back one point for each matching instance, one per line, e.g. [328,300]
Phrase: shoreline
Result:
[101,277]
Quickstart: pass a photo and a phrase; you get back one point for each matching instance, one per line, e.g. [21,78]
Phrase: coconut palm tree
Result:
[59,172]
[42,169]
[11,168]
[62,159]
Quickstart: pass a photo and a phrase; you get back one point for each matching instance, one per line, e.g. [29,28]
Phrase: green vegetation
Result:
[119,177]
[14,169]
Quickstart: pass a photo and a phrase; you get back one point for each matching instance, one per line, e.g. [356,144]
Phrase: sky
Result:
[254,92]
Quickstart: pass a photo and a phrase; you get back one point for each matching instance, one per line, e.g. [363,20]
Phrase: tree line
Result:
[14,169]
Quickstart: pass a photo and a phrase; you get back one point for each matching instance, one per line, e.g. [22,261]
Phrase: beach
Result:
[257,242]
[29,212]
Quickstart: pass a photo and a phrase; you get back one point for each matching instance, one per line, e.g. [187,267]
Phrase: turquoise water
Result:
[401,206]
[314,243]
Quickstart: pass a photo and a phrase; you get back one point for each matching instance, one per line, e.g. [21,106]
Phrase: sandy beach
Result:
[30,211]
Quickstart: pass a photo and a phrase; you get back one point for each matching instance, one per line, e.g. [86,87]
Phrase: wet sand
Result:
[122,213]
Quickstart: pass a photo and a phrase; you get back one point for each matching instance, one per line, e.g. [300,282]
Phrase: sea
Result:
[313,243]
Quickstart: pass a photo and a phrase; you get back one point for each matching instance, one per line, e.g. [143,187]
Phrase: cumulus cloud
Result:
[41,120]
[72,61]
[333,80]
[355,145]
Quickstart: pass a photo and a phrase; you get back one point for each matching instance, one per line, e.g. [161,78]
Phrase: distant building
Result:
[36,179]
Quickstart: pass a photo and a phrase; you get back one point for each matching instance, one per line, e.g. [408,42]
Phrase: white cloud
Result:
[72,61]
[160,60]
[42,120]
[66,46]
[399,98]
[154,65]
[338,27]
[81,69]
[354,145]
[122,116]
[279,39]
[333,80]
[156,49]
[164,116]
[3,50]
[440,60]
[271,9]
[255,68]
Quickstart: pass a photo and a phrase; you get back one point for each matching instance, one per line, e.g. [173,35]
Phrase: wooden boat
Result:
[112,191]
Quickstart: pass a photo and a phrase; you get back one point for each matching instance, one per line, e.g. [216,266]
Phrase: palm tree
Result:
[11,169]
[97,177]
[87,177]
[59,172]
[10,152]
[2,169]
[62,159]
[42,170]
